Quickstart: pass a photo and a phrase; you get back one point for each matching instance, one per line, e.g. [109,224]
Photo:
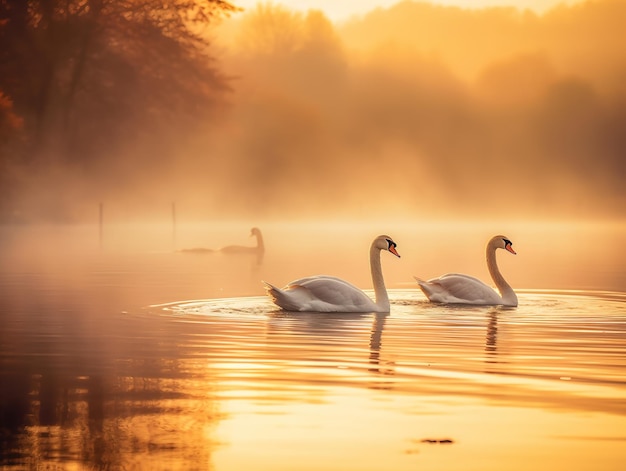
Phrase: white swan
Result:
[259,248]
[330,294]
[465,289]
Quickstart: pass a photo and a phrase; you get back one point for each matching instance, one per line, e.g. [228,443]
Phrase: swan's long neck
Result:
[380,292]
[509,298]
[259,241]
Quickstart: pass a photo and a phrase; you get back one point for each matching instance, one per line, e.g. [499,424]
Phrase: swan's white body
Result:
[259,248]
[456,288]
[324,293]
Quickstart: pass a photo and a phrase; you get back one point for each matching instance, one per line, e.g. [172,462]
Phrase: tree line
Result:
[86,83]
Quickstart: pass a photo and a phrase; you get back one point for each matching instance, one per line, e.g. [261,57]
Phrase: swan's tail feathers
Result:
[275,294]
[280,297]
[425,287]
[268,286]
[271,290]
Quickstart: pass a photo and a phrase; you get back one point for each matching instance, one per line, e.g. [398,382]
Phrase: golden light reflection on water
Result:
[285,388]
[95,372]
[363,426]
[352,431]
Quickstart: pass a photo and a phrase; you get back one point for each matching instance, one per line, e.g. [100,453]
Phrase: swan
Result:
[465,289]
[330,294]
[259,248]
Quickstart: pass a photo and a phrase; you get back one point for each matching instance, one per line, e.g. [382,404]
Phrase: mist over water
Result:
[424,110]
[411,111]
[550,255]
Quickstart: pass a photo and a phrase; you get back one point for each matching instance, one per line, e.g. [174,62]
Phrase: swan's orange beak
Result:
[393,250]
[510,249]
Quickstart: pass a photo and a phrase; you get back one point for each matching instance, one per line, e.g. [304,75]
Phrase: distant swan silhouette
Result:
[465,289]
[330,294]
[259,248]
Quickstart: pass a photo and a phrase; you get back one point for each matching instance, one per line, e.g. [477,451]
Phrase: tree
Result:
[93,78]
[10,130]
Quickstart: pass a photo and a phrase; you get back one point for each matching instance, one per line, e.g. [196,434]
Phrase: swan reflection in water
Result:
[491,342]
[383,368]
[258,249]
[491,338]
[324,329]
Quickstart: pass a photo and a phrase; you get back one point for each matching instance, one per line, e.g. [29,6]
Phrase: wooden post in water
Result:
[174,224]
[101,222]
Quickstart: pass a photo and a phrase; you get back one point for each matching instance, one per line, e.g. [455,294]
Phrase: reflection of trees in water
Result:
[49,416]
[104,409]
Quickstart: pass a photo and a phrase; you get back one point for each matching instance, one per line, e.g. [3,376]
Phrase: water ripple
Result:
[571,342]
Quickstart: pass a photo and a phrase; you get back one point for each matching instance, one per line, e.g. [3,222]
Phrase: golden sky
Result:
[468,105]
[338,10]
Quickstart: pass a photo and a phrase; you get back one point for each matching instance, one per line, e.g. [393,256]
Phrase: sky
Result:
[340,10]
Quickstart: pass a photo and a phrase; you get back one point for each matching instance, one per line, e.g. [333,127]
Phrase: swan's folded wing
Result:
[334,291]
[292,298]
[459,288]
[321,294]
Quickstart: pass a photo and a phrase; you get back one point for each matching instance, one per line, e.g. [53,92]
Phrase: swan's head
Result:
[503,242]
[255,231]
[384,242]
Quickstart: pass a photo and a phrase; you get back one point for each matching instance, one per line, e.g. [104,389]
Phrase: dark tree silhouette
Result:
[90,76]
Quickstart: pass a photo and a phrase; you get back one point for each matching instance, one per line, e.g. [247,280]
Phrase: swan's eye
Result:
[391,243]
[507,242]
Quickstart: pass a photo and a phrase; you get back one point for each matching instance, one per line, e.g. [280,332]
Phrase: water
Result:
[134,356]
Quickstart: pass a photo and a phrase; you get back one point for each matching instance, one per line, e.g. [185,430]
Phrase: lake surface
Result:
[122,353]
